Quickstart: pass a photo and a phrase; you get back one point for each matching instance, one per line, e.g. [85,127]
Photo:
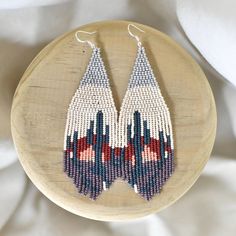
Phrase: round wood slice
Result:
[40,108]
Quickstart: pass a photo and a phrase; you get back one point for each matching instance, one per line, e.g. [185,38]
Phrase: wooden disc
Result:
[40,107]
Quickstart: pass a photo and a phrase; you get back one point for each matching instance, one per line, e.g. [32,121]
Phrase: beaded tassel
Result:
[138,147]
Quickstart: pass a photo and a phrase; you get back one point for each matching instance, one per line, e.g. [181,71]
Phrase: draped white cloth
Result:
[206,28]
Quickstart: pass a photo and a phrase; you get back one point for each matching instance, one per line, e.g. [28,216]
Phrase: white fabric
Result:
[209,208]
[211,28]
[14,4]
[12,181]
[10,156]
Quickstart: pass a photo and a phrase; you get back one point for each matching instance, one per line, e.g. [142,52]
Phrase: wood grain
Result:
[44,93]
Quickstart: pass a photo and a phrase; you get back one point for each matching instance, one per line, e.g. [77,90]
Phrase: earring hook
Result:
[92,45]
[135,36]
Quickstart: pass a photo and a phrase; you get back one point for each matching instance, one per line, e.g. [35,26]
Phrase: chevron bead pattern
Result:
[101,146]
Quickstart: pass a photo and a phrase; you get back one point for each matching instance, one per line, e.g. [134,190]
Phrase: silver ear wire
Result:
[135,36]
[92,45]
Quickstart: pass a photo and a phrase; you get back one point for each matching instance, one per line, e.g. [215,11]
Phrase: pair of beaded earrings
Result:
[136,145]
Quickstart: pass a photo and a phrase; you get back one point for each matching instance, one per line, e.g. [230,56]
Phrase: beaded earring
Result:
[137,147]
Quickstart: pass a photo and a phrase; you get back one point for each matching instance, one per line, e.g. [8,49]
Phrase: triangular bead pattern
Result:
[136,146]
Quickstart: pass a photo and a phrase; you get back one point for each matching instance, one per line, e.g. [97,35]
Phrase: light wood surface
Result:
[44,93]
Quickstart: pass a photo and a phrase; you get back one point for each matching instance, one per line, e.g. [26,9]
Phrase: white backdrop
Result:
[207,29]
